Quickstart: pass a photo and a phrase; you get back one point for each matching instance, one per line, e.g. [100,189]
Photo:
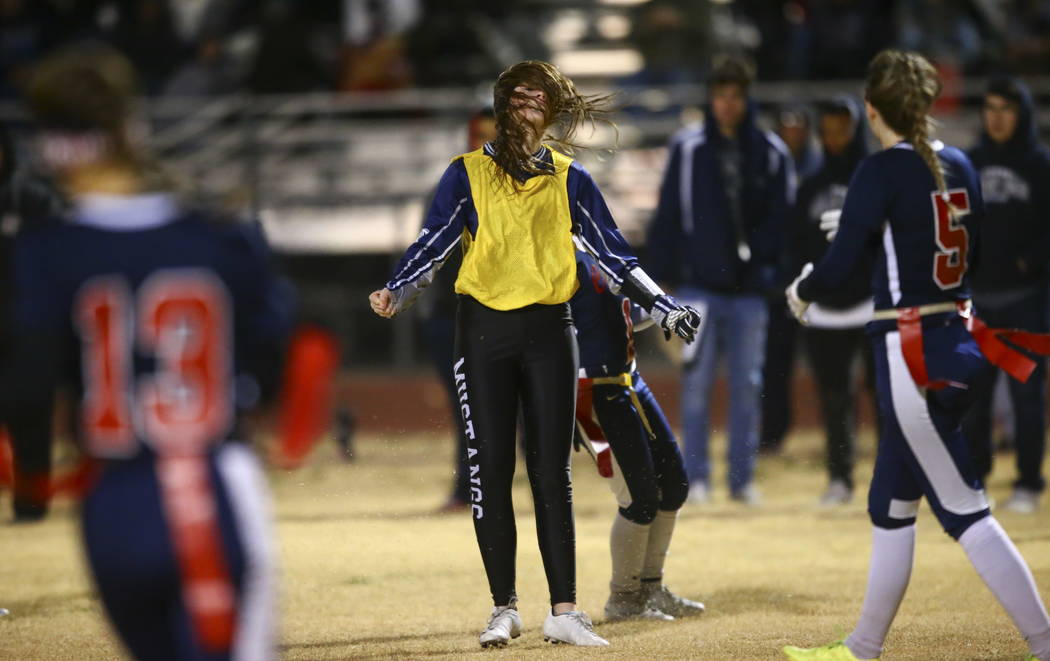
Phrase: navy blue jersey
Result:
[893,211]
[164,320]
[603,320]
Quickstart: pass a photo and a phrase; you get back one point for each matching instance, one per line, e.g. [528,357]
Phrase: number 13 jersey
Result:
[165,321]
[893,208]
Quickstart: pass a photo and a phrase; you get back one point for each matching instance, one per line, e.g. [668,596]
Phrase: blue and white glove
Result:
[795,304]
[681,320]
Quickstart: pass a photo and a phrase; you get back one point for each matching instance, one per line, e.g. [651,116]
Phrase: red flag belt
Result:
[989,340]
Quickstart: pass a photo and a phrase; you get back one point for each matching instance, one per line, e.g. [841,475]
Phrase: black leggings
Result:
[503,357]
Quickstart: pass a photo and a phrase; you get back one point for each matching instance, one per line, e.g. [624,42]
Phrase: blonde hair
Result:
[902,86]
[566,108]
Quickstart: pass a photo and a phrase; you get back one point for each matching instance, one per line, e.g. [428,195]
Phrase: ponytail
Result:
[902,87]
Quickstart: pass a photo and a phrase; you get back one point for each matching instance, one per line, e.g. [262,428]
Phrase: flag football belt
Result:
[594,437]
[625,381]
[989,340]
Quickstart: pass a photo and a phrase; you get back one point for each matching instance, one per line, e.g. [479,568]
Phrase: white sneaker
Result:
[698,494]
[1022,501]
[573,628]
[504,624]
[838,493]
[749,495]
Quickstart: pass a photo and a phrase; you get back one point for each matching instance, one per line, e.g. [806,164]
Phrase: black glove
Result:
[683,321]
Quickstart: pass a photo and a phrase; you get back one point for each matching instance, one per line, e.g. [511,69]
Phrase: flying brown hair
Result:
[566,110]
[902,86]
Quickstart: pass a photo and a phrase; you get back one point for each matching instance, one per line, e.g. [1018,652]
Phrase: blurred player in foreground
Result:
[515,205]
[26,200]
[167,323]
[634,446]
[916,203]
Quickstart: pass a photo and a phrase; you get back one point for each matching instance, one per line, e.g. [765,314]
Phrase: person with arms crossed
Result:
[515,206]
[915,205]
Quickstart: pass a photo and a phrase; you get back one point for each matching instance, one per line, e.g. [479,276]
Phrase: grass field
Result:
[369,573]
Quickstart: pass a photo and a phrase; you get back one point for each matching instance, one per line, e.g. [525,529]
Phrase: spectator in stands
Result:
[672,37]
[834,335]
[950,33]
[22,39]
[1027,38]
[374,55]
[474,39]
[298,48]
[793,126]
[717,237]
[847,34]
[1010,279]
[144,31]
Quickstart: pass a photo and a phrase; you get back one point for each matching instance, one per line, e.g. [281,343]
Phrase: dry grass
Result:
[369,573]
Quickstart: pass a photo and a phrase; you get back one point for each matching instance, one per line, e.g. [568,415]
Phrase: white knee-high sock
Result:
[1006,574]
[892,552]
[660,531]
[627,541]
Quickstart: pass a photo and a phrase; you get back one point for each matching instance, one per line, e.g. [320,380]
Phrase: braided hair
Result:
[902,86]
[566,110]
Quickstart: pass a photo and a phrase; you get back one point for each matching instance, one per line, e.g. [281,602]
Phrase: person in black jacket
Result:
[1010,280]
[834,334]
[25,200]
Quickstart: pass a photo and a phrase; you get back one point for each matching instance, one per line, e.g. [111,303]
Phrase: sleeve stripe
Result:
[402,280]
[688,147]
[598,231]
[591,249]
[426,267]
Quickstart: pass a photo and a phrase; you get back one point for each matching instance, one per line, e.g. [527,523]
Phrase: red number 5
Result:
[949,263]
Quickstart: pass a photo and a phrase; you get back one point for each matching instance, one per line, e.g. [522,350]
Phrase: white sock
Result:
[1006,574]
[660,531]
[892,552]
[627,541]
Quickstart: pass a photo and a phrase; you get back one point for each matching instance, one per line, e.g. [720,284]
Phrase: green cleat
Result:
[836,651]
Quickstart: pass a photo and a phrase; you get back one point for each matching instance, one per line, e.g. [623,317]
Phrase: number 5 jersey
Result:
[893,210]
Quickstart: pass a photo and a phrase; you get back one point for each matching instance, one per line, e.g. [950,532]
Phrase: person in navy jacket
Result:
[717,238]
[1010,282]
